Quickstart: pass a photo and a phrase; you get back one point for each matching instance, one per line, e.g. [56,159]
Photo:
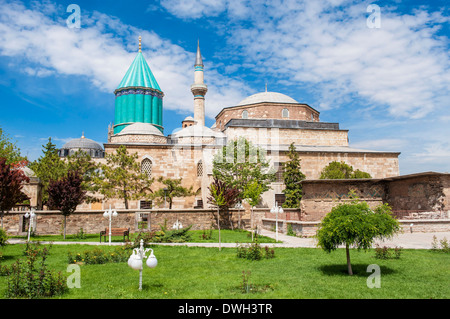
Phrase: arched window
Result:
[245,114]
[285,113]
[146,167]
[200,169]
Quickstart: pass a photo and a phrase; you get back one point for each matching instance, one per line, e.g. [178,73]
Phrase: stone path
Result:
[405,240]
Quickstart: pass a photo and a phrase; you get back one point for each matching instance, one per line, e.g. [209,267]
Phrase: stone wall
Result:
[51,222]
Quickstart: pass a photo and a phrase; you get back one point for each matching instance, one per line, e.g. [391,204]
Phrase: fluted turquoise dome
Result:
[138,97]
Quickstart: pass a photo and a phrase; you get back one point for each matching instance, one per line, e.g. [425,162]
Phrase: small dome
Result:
[198,131]
[141,129]
[28,172]
[273,97]
[82,143]
[188,118]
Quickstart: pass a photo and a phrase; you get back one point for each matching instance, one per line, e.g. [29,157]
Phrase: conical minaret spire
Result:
[199,89]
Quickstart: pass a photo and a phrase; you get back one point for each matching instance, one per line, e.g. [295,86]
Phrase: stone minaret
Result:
[199,90]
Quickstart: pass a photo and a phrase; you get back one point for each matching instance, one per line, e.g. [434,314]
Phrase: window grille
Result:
[245,114]
[279,173]
[285,113]
[200,169]
[146,167]
[145,204]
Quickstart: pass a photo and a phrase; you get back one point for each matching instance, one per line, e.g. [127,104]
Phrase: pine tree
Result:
[293,176]
[48,167]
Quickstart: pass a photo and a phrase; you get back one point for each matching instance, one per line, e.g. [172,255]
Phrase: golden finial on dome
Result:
[140,45]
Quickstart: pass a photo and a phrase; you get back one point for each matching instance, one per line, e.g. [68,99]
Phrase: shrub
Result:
[443,243]
[163,236]
[387,252]
[26,279]
[3,238]
[254,251]
[98,256]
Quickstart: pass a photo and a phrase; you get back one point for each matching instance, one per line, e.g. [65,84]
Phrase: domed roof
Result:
[82,143]
[141,128]
[139,75]
[188,118]
[197,131]
[273,97]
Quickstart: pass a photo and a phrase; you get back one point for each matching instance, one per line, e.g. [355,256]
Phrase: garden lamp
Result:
[276,209]
[30,215]
[136,260]
[109,214]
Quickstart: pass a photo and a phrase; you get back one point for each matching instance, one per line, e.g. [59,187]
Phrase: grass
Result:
[227,236]
[295,273]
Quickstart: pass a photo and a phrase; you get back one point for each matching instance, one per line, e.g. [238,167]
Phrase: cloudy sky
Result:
[379,68]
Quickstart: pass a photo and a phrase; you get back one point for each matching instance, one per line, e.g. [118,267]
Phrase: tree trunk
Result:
[251,222]
[65,223]
[349,266]
[125,200]
[218,226]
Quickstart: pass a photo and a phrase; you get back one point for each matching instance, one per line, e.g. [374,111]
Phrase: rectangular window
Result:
[280,199]
[279,174]
[145,204]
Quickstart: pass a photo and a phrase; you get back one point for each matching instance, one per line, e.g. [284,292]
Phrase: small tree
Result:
[223,196]
[239,163]
[341,170]
[293,176]
[121,177]
[252,193]
[11,183]
[66,194]
[82,162]
[355,224]
[48,167]
[171,190]
[9,150]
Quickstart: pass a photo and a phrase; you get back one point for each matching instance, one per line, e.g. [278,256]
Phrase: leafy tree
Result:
[9,150]
[239,163]
[252,194]
[355,224]
[341,170]
[121,177]
[172,188]
[11,183]
[48,167]
[293,176]
[66,194]
[82,162]
[222,196]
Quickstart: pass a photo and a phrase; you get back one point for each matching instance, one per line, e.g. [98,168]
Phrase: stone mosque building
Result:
[270,120]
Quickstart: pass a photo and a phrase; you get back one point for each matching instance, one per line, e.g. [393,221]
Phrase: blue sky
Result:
[389,86]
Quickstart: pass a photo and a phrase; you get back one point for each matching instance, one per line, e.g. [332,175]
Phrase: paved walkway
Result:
[405,240]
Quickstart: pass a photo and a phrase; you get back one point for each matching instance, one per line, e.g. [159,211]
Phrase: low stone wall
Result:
[51,222]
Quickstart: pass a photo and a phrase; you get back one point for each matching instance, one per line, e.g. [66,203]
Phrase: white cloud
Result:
[402,66]
[43,45]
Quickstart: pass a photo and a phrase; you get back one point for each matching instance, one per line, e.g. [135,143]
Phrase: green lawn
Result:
[295,273]
[227,236]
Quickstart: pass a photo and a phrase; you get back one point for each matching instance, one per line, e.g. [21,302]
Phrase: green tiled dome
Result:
[139,75]
[138,97]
